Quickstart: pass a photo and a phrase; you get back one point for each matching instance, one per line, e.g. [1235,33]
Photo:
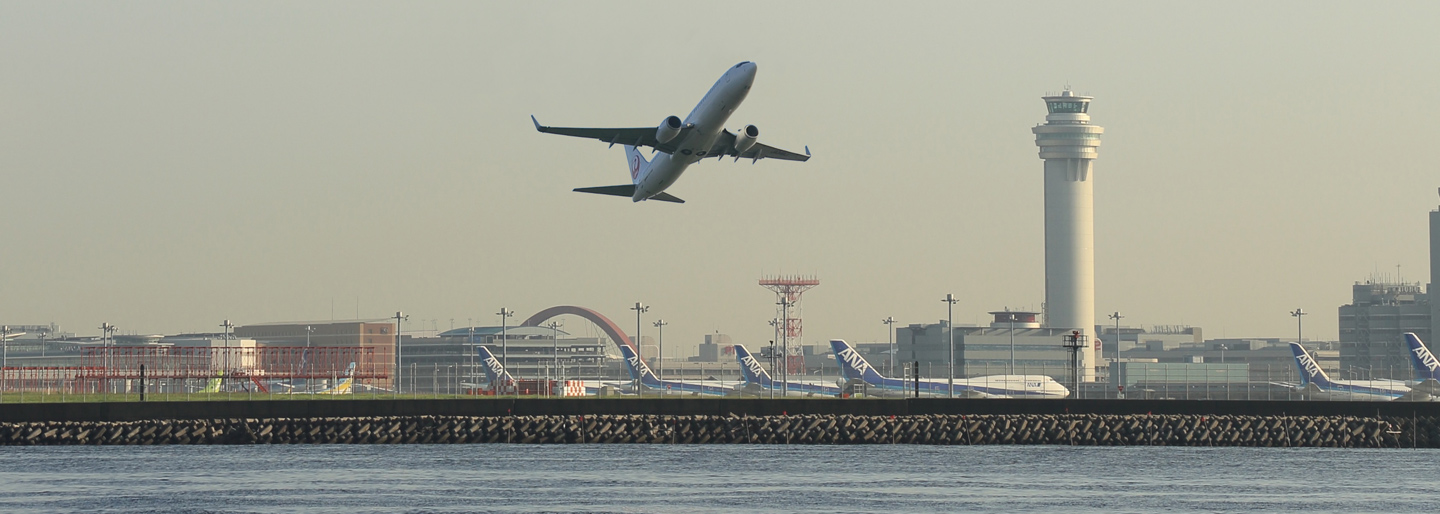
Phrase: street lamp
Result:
[635,345]
[660,324]
[889,322]
[1299,324]
[950,330]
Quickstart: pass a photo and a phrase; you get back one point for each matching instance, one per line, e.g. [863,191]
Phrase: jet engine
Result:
[669,128]
[746,138]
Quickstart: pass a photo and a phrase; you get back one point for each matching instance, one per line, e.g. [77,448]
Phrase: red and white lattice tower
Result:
[788,290]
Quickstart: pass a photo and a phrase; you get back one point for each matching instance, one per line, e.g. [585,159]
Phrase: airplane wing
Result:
[637,136]
[725,147]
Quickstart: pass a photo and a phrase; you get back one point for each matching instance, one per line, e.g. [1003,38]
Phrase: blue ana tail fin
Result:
[1310,372]
[494,371]
[638,165]
[635,366]
[852,365]
[750,367]
[1426,366]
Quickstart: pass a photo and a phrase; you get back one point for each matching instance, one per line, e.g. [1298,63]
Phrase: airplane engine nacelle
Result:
[746,138]
[669,128]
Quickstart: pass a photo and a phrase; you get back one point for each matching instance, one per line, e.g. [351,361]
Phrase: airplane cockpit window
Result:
[742,64]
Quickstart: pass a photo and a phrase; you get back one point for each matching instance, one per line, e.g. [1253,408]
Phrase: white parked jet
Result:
[702,134]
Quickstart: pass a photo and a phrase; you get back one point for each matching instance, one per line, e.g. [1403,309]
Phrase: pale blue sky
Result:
[169,165]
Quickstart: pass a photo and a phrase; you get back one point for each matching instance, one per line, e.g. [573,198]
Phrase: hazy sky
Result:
[166,166]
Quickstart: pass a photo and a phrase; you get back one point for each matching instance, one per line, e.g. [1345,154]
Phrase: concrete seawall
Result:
[355,408]
[935,429]
[723,420]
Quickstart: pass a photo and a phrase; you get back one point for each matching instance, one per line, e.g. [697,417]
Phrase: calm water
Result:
[724,478]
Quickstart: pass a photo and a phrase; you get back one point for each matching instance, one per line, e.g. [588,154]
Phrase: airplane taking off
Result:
[682,143]
[853,366]
[1318,385]
[756,374]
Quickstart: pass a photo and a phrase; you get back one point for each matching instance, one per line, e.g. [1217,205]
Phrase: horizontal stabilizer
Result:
[627,190]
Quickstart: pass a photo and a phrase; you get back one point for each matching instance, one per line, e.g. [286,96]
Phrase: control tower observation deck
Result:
[1068,144]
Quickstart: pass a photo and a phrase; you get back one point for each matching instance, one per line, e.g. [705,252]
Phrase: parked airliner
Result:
[755,374]
[651,384]
[1427,368]
[854,367]
[1317,385]
[499,378]
[682,143]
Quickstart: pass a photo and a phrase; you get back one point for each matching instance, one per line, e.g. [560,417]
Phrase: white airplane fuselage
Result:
[708,119]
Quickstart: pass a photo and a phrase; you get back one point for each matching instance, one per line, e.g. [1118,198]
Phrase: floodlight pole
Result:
[555,340]
[227,325]
[635,345]
[1115,364]
[505,315]
[950,301]
[889,322]
[660,324]
[1300,325]
[785,344]
[399,352]
[1010,317]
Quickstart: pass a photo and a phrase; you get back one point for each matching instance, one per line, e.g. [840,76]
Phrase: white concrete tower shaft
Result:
[1068,144]
[1434,278]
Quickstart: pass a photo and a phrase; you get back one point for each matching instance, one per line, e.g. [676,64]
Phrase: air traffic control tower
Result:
[1434,278]
[1068,144]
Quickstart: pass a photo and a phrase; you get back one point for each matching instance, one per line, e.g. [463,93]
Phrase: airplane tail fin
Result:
[214,385]
[1310,372]
[750,368]
[635,366]
[639,166]
[494,371]
[1426,366]
[345,385]
[852,365]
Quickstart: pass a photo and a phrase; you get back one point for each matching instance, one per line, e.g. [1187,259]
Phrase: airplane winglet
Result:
[807,147]
[536,122]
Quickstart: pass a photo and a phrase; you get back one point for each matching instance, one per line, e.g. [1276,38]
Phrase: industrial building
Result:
[529,352]
[1372,343]
[375,336]
[1036,350]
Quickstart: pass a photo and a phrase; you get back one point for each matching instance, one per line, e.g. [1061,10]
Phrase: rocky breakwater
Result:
[1068,429]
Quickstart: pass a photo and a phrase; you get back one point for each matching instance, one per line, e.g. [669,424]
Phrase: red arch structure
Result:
[610,328]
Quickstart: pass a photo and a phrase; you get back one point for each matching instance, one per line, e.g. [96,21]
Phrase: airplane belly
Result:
[663,174]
